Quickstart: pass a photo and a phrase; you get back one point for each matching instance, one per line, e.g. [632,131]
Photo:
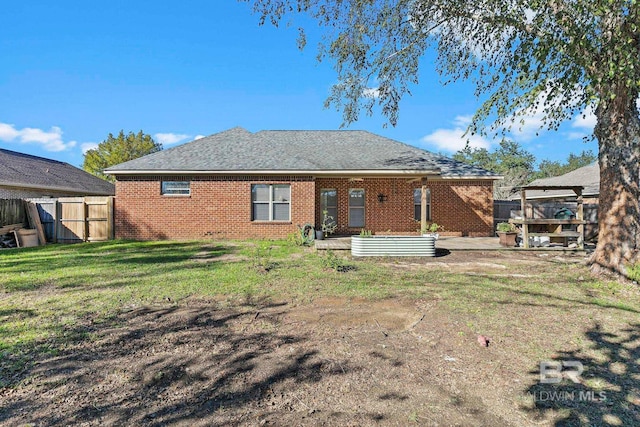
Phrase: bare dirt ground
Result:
[335,362]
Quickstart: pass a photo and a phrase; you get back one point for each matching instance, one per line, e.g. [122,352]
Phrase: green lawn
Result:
[540,305]
[47,288]
[44,289]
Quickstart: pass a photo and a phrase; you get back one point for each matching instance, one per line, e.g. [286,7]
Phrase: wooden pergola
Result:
[551,227]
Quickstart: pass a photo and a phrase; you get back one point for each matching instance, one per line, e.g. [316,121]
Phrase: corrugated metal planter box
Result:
[393,246]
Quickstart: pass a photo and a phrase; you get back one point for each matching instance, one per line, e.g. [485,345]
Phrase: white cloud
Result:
[587,120]
[452,140]
[88,146]
[8,132]
[462,121]
[170,138]
[533,121]
[576,135]
[371,92]
[198,137]
[50,140]
[583,124]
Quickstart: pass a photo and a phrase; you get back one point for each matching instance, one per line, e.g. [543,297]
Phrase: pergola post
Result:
[423,206]
[580,216]
[525,226]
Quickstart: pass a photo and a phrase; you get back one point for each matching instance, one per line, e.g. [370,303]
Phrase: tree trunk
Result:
[618,133]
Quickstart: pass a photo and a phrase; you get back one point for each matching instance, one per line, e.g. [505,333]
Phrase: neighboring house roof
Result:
[26,171]
[330,152]
[586,176]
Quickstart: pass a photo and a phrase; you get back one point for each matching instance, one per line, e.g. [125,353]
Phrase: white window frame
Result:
[271,203]
[163,190]
[419,190]
[363,207]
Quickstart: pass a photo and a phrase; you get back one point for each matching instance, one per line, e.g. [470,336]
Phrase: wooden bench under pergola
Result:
[551,227]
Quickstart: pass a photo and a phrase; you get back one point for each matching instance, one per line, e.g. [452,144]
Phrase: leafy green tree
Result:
[510,160]
[551,57]
[116,150]
[480,157]
[549,168]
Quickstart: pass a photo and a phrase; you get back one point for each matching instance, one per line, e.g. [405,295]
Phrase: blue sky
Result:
[73,72]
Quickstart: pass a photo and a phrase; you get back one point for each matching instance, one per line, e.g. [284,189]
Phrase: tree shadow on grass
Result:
[79,265]
[479,293]
[607,391]
[158,366]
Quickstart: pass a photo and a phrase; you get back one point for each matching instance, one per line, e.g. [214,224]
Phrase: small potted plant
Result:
[327,227]
[507,233]
[365,233]
[431,230]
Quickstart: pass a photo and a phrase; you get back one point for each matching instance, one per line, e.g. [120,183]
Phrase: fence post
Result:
[110,226]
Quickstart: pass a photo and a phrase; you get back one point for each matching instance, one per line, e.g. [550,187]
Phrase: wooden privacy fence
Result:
[12,211]
[69,219]
[87,219]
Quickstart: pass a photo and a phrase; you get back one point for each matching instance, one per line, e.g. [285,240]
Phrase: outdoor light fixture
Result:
[381,197]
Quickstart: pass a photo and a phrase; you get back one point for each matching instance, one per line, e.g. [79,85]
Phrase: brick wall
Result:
[221,207]
[218,207]
[464,206]
[458,205]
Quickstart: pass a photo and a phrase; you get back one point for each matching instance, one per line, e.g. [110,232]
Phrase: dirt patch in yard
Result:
[338,361]
[213,252]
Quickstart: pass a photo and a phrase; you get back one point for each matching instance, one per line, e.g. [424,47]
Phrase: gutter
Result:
[19,185]
[434,174]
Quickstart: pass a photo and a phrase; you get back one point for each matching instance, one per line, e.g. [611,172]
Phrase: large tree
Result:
[118,149]
[556,58]
[548,168]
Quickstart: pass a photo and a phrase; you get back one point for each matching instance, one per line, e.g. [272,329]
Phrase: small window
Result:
[356,208]
[417,204]
[176,188]
[270,202]
[329,203]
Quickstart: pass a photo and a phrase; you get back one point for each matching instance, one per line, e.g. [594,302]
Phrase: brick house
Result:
[23,175]
[238,184]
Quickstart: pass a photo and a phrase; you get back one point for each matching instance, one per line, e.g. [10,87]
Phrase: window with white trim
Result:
[356,207]
[270,202]
[329,203]
[175,188]
[417,204]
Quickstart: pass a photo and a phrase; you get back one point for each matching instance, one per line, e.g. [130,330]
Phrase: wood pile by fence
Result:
[64,220]
[16,235]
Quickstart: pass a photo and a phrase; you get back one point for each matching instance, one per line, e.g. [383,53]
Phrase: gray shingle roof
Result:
[24,170]
[281,151]
[586,176]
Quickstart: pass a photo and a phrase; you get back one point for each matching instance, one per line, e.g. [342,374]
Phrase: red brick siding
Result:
[221,206]
[217,207]
[459,206]
[463,206]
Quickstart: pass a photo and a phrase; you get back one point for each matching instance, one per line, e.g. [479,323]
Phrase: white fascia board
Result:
[376,172]
[467,177]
